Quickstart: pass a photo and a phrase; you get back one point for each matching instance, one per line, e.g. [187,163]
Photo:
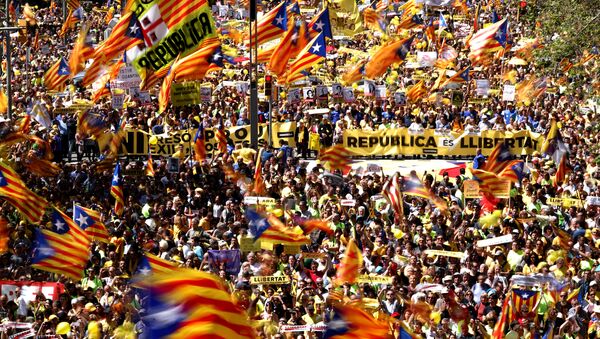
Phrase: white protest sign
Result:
[495,241]
[483,87]
[348,202]
[380,92]
[426,59]
[127,78]
[508,93]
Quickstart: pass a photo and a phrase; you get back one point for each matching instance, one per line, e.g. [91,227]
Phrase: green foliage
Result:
[568,27]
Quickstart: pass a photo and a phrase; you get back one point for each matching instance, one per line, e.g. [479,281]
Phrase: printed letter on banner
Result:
[170,28]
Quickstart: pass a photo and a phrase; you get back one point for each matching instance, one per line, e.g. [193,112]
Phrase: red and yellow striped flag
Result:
[350,266]
[416,92]
[200,305]
[13,190]
[81,52]
[195,65]
[337,157]
[150,166]
[58,253]
[259,183]
[57,75]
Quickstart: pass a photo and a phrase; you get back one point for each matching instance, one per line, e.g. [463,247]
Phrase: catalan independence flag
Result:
[523,298]
[392,191]
[459,77]
[185,303]
[199,145]
[352,322]
[387,55]
[125,35]
[221,138]
[195,65]
[116,190]
[337,157]
[164,95]
[57,75]
[269,27]
[73,18]
[150,166]
[312,54]
[282,53]
[58,253]
[13,190]
[270,229]
[90,221]
[488,40]
[489,182]
[351,264]
[62,224]
[416,188]
[321,23]
[82,51]
[259,183]
[149,263]
[498,332]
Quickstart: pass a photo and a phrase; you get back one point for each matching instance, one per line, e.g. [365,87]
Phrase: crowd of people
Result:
[180,216]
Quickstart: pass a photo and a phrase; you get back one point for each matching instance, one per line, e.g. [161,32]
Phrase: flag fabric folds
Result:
[282,52]
[82,51]
[312,54]
[416,188]
[116,190]
[337,157]
[199,145]
[58,253]
[125,35]
[259,183]
[13,190]
[270,229]
[195,65]
[150,166]
[62,224]
[393,193]
[351,264]
[185,303]
[498,332]
[149,263]
[523,298]
[57,75]
[91,222]
[561,171]
[164,95]
[271,25]
[387,55]
[221,138]
[352,322]
[488,40]
[321,23]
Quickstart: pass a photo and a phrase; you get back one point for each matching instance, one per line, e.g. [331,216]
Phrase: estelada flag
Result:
[351,264]
[387,55]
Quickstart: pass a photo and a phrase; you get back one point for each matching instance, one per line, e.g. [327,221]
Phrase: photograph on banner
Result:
[322,92]
[369,88]
[294,96]
[206,93]
[426,59]
[403,141]
[348,94]
[308,94]
[337,91]
[380,92]
[400,98]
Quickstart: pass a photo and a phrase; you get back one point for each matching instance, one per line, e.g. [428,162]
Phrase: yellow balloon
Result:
[436,317]
[282,94]
[277,212]
[355,85]
[245,71]
[153,140]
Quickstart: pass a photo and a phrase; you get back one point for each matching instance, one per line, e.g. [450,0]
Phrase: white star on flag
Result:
[145,271]
[45,251]
[116,178]
[279,20]
[63,70]
[319,25]
[316,48]
[134,29]
[82,220]
[217,56]
[59,225]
